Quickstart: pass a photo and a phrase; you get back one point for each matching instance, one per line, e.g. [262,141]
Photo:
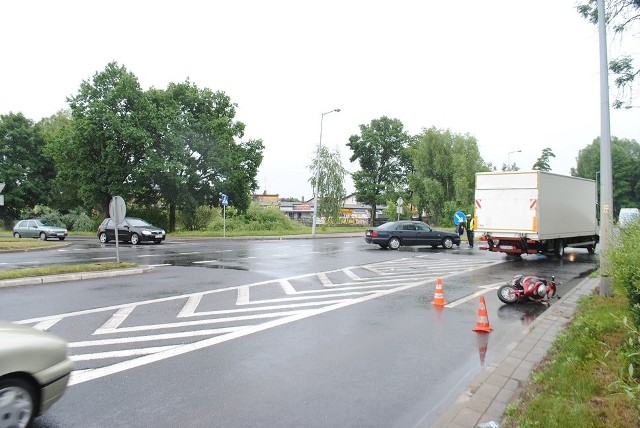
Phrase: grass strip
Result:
[62,269]
[582,382]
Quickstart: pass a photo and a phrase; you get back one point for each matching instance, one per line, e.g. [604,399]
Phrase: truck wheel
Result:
[394,243]
[508,294]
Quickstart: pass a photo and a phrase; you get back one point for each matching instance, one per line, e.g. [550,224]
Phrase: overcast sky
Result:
[515,75]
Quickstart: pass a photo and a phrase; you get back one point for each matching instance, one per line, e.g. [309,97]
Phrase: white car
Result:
[34,373]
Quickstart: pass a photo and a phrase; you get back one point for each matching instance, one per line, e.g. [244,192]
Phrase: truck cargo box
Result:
[536,206]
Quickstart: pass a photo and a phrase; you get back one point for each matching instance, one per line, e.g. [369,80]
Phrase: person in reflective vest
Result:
[471,225]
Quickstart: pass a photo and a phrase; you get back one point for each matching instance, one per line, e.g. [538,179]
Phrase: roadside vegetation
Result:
[61,269]
[591,376]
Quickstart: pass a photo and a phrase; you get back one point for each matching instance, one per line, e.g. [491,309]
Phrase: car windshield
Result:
[46,223]
[137,222]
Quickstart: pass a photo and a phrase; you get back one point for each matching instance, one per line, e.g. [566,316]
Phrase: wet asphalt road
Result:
[325,332]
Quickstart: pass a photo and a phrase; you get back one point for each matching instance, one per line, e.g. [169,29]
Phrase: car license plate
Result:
[506,247]
[158,236]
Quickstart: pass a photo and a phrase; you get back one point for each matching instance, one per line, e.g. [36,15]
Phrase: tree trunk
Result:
[172,217]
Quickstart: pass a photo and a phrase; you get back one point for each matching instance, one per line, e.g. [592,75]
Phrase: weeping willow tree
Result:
[330,192]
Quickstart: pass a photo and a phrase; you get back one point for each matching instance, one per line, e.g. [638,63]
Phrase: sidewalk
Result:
[499,382]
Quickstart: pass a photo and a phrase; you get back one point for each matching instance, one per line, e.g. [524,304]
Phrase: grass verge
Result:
[61,269]
[585,380]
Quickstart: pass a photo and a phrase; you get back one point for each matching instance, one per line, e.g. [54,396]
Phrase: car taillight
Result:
[374,234]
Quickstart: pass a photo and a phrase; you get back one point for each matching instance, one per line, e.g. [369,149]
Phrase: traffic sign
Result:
[459,217]
[225,199]
[117,209]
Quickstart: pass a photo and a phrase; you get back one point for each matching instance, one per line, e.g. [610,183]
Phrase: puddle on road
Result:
[524,312]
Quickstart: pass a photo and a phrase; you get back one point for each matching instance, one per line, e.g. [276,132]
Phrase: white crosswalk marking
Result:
[152,330]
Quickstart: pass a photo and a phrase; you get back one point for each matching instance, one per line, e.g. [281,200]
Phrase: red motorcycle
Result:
[527,288]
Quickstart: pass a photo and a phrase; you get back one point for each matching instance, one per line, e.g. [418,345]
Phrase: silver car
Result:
[36,228]
[34,373]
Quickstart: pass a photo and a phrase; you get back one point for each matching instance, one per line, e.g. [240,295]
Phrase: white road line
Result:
[243,296]
[485,290]
[324,279]
[184,296]
[88,375]
[267,308]
[299,298]
[45,325]
[164,336]
[115,320]
[161,264]
[206,261]
[200,322]
[287,287]
[351,275]
[190,307]
[120,354]
[103,258]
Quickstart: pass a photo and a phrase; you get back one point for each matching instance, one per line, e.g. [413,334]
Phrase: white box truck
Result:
[535,212]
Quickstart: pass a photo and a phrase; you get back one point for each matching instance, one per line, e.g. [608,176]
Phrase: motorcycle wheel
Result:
[508,294]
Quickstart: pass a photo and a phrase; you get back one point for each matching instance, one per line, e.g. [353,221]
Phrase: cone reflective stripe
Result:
[483,319]
[438,297]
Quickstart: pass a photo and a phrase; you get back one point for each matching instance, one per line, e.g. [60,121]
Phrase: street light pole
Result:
[509,157]
[316,198]
[606,174]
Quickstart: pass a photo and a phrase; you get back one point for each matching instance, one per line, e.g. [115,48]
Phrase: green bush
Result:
[74,220]
[625,269]
[255,218]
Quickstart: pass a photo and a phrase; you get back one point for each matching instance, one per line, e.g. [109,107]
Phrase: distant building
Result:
[353,212]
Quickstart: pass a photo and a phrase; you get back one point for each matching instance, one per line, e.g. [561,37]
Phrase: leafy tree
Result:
[542,163]
[380,150]
[625,163]
[56,132]
[24,168]
[622,16]
[444,168]
[107,152]
[330,191]
[194,155]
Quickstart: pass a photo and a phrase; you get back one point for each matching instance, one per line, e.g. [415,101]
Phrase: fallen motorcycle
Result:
[527,288]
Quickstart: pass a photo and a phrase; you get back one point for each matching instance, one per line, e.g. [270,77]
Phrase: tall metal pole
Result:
[316,197]
[606,175]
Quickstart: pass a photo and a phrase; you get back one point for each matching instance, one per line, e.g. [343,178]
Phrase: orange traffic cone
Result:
[438,298]
[483,320]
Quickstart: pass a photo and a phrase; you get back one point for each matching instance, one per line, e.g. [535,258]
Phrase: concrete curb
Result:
[37,280]
[499,382]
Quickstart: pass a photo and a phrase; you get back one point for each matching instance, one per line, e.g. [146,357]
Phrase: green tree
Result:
[380,150]
[621,16]
[56,132]
[542,163]
[195,154]
[107,152]
[330,191]
[443,176]
[24,168]
[625,163]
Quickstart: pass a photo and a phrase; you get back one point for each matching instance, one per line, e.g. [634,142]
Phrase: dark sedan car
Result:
[396,233]
[134,230]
